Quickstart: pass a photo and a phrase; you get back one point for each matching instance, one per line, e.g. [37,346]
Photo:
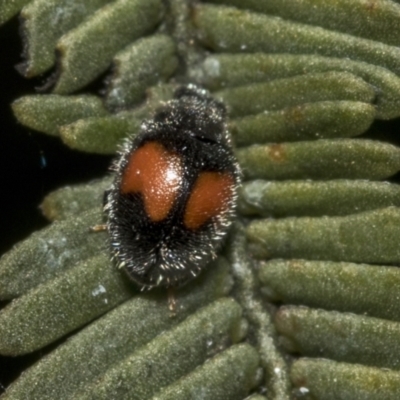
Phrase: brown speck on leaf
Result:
[277,152]
[296,115]
[296,264]
[371,5]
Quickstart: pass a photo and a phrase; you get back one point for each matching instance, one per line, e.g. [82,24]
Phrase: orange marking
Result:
[210,196]
[157,175]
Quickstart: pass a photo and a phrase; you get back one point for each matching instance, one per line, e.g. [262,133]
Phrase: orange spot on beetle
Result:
[210,196]
[155,173]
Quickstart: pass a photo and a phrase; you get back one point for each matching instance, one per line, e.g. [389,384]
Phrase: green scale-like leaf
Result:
[87,51]
[329,380]
[373,20]
[107,341]
[227,29]
[43,23]
[340,336]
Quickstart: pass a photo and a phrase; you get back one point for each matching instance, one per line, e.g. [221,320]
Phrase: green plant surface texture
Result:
[373,20]
[308,121]
[282,93]
[87,51]
[75,199]
[230,30]
[315,198]
[9,8]
[227,376]
[256,397]
[171,355]
[320,159]
[349,238]
[219,71]
[43,23]
[339,336]
[59,306]
[49,252]
[144,63]
[88,354]
[372,290]
[330,380]
[101,135]
[104,135]
[46,113]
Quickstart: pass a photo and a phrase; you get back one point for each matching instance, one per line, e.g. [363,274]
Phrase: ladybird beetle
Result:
[174,192]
